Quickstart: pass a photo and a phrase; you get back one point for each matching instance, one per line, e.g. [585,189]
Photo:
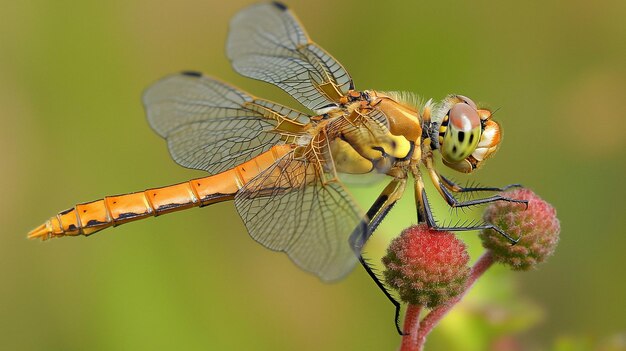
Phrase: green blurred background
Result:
[73,130]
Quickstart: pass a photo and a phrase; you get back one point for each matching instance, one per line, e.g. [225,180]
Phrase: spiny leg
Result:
[381,207]
[430,220]
[452,186]
[452,201]
[383,204]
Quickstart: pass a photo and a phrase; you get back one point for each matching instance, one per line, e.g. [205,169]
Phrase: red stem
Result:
[431,320]
[411,324]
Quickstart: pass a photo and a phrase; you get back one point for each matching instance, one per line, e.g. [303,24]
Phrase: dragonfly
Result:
[281,167]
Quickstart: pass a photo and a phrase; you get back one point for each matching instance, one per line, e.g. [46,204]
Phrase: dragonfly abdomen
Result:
[90,217]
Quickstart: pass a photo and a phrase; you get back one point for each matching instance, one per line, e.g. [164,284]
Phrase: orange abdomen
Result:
[88,218]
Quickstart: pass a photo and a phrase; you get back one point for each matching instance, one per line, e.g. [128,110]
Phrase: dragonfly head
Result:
[467,134]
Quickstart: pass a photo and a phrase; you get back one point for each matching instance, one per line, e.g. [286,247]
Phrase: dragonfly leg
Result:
[370,271]
[452,186]
[383,204]
[418,190]
[452,201]
[430,221]
[379,210]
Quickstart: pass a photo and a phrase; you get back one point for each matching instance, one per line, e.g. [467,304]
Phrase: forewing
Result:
[267,42]
[212,126]
[288,208]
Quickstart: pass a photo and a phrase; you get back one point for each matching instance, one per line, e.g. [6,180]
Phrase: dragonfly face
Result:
[280,165]
[467,135]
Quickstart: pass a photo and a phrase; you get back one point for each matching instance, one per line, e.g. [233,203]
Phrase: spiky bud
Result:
[425,266]
[537,227]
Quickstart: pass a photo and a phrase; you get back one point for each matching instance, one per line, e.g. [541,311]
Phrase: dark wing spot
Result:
[192,74]
[84,211]
[280,5]
[461,136]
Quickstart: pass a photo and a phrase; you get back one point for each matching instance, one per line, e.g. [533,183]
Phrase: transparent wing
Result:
[378,116]
[267,42]
[288,208]
[212,126]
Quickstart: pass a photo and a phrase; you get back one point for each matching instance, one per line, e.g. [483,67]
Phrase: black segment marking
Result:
[71,227]
[94,222]
[471,138]
[376,206]
[445,121]
[66,211]
[380,149]
[280,5]
[454,149]
[169,206]
[192,74]
[461,136]
[128,215]
[211,197]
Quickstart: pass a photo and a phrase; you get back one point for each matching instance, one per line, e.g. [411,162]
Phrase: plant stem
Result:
[433,318]
[411,324]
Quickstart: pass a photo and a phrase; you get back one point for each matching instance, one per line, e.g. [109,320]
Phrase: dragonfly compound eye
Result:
[467,101]
[463,133]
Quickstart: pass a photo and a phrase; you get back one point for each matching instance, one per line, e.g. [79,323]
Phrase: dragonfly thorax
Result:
[360,143]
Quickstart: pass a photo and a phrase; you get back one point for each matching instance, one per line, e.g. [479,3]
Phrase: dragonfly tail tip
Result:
[42,232]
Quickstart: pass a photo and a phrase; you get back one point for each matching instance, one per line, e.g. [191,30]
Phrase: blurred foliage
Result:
[71,73]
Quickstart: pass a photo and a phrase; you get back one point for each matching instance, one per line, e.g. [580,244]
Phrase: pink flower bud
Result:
[425,266]
[537,227]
